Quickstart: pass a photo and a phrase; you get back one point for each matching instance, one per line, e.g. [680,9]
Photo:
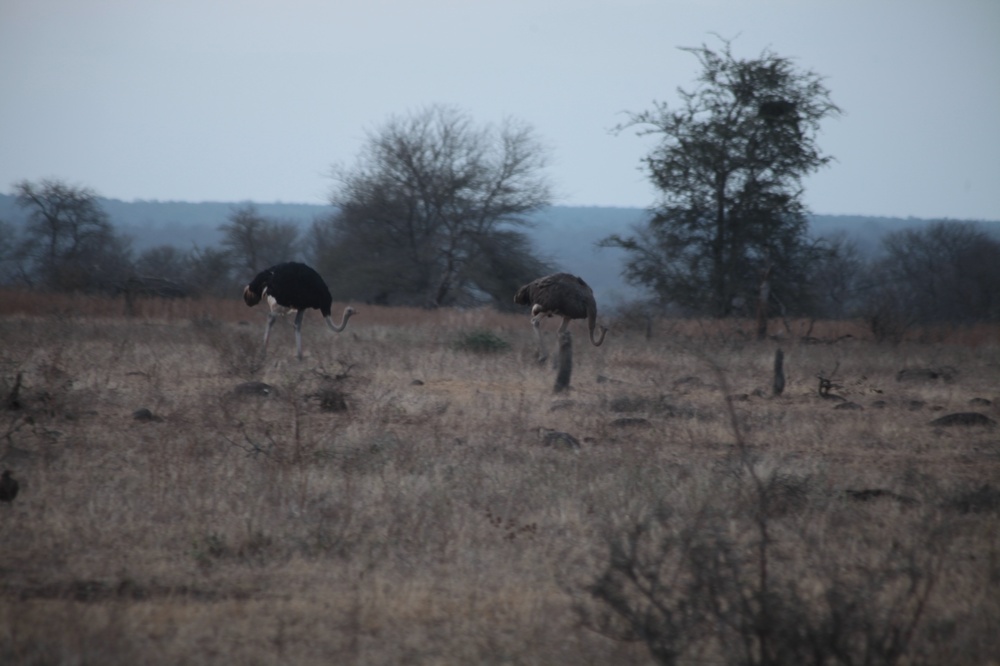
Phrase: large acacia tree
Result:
[729,167]
[432,212]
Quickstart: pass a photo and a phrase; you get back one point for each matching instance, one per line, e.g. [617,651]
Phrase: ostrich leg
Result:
[535,324]
[298,332]
[271,318]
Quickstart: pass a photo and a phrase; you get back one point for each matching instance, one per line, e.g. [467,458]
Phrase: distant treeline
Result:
[565,235]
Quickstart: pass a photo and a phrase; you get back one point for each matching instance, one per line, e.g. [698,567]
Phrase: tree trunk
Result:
[763,298]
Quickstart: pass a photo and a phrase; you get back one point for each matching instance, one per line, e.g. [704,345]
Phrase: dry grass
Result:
[356,515]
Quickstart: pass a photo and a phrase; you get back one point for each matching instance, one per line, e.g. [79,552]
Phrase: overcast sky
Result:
[255,100]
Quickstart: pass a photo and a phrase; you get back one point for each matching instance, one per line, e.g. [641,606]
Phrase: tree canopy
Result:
[729,169]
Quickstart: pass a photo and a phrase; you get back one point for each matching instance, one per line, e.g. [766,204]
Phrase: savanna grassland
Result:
[399,496]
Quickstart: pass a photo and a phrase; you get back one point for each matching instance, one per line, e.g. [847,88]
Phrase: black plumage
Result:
[560,295]
[293,287]
[8,487]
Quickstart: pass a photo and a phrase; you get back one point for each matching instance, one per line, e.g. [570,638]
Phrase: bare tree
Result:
[162,261]
[836,277]
[8,252]
[946,272]
[210,273]
[430,214]
[69,241]
[255,241]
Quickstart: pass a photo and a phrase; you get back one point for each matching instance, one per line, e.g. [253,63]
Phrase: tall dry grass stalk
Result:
[390,498]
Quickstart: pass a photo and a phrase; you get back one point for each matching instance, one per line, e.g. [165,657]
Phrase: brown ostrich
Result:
[562,295]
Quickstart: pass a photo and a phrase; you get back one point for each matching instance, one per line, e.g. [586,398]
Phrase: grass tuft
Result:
[481,342]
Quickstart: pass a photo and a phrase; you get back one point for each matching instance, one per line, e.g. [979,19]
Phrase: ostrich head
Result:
[250,296]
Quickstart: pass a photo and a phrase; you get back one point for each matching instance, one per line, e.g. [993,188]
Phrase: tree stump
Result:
[565,361]
[779,372]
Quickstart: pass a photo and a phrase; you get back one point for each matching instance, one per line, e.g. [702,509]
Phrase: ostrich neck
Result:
[592,324]
[343,322]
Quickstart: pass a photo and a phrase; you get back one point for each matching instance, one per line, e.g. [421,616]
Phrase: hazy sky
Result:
[214,100]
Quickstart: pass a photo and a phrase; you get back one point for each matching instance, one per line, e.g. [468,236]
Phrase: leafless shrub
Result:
[722,584]
[239,351]
[331,399]
[746,578]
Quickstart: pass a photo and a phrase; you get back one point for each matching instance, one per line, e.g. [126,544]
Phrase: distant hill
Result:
[565,235]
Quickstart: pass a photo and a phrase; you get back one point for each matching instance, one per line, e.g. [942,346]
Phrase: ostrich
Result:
[8,487]
[293,287]
[563,295]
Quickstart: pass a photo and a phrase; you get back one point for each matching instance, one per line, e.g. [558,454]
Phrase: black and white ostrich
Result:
[293,287]
[562,295]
